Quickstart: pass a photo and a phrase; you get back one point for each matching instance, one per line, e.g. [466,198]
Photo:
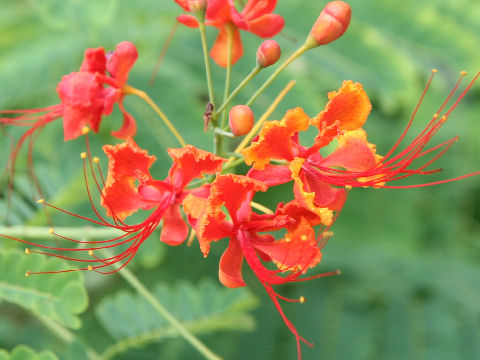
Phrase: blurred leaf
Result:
[204,308]
[59,297]
[22,352]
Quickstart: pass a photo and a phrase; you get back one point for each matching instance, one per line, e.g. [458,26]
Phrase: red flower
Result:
[256,17]
[293,255]
[130,187]
[84,100]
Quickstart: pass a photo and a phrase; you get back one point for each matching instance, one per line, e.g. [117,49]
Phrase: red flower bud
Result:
[241,119]
[268,53]
[332,22]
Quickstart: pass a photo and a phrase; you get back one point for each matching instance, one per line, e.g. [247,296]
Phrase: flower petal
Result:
[275,139]
[190,163]
[129,126]
[304,196]
[272,174]
[267,25]
[219,51]
[297,252]
[127,162]
[354,152]
[230,269]
[94,60]
[256,8]
[174,230]
[188,20]
[121,61]
[349,105]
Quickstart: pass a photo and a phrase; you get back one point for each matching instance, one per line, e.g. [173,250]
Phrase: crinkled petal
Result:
[191,163]
[121,61]
[230,269]
[275,139]
[267,25]
[297,252]
[174,230]
[325,195]
[305,197]
[354,152]
[219,51]
[127,164]
[235,192]
[349,105]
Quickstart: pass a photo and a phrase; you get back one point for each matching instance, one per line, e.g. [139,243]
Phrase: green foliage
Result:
[22,352]
[58,297]
[203,308]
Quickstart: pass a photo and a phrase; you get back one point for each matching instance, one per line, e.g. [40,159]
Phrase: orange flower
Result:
[255,17]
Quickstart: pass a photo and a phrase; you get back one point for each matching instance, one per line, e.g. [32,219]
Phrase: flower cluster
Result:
[204,194]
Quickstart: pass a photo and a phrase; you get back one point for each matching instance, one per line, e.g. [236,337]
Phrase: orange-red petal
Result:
[219,51]
[174,230]
[127,162]
[306,198]
[275,139]
[349,105]
[298,251]
[230,269]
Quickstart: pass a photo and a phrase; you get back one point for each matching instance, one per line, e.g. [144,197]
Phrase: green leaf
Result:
[59,297]
[204,308]
[23,352]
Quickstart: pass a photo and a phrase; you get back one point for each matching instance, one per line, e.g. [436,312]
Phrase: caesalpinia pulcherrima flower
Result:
[84,99]
[130,187]
[255,17]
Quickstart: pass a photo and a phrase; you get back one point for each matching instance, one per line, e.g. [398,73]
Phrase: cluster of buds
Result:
[203,195]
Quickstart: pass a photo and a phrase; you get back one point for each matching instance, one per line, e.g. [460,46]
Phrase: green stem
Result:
[302,49]
[43,232]
[187,335]
[206,58]
[234,93]
[144,96]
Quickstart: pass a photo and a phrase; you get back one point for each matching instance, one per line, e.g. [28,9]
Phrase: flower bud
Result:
[268,53]
[332,22]
[241,119]
[198,8]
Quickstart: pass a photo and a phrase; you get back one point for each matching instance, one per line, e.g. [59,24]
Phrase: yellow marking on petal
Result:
[304,237]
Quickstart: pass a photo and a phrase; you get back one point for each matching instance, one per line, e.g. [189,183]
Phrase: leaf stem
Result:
[144,96]
[206,58]
[184,332]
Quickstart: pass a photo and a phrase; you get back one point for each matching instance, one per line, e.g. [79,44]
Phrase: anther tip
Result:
[83,155]
[41,201]
[90,252]
[85,130]
[27,251]
[302,299]
[50,231]
[434,71]
[96,160]
[338,272]
[348,187]
[27,274]
[463,73]
[436,116]
[90,267]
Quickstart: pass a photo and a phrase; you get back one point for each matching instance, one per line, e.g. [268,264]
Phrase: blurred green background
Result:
[410,287]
